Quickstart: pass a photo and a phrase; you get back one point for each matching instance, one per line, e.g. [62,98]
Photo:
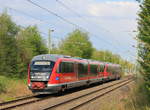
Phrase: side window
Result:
[101,69]
[114,70]
[82,69]
[93,70]
[117,70]
[108,69]
[66,67]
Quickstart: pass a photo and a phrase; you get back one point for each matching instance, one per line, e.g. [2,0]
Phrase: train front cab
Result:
[40,75]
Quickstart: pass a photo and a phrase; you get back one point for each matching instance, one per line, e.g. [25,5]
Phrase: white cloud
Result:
[113,8]
[101,15]
[24,21]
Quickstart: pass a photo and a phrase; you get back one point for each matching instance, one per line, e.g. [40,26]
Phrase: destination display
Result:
[42,63]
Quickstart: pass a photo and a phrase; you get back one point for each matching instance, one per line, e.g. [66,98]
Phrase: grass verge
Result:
[138,98]
[10,88]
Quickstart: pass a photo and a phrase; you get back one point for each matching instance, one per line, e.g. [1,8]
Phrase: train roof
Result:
[54,57]
[51,57]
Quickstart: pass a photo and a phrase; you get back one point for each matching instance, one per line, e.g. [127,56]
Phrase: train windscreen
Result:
[42,66]
[41,70]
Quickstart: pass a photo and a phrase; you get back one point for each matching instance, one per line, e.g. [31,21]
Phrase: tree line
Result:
[19,45]
[77,44]
[143,38]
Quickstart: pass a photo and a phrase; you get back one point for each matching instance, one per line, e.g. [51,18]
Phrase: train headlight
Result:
[43,76]
[29,85]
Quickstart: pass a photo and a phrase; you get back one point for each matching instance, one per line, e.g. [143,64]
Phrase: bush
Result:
[2,86]
[139,97]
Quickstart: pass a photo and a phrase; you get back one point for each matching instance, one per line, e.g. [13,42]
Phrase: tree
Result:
[144,41]
[76,44]
[30,43]
[18,46]
[108,56]
[8,52]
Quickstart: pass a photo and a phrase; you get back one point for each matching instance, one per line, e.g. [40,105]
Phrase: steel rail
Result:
[100,95]
[11,104]
[17,99]
[69,100]
[7,105]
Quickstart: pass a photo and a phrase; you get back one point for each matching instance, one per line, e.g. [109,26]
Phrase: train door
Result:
[93,71]
[106,71]
[76,69]
[82,72]
[101,70]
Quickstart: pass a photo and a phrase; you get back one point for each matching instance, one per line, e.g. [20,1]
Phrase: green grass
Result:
[7,82]
[136,98]
[12,87]
[139,98]
[3,84]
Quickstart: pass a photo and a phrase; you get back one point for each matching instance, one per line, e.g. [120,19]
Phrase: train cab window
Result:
[66,67]
[82,70]
[93,70]
[42,66]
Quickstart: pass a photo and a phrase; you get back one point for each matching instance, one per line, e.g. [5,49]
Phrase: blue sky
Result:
[110,23]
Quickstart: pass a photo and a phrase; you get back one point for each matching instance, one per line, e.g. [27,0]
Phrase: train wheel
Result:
[63,89]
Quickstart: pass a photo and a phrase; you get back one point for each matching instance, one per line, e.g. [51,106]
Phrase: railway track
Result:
[17,99]
[33,99]
[79,101]
[20,102]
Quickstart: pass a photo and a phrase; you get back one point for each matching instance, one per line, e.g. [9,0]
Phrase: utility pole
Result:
[104,56]
[49,40]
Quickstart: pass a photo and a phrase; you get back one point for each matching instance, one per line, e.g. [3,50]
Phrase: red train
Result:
[51,73]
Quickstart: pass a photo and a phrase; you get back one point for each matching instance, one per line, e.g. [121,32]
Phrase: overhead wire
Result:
[62,18]
[69,22]
[53,13]
[76,13]
[24,13]
[18,11]
[68,8]
[31,17]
